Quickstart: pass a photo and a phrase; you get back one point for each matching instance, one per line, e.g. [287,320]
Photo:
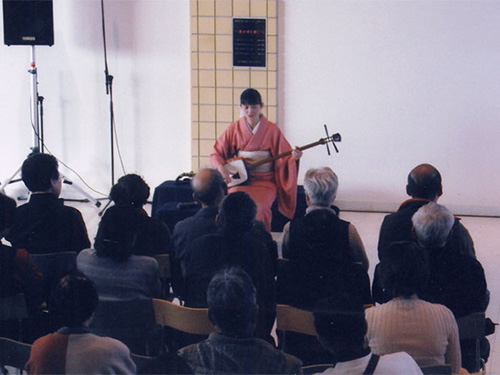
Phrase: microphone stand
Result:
[109,91]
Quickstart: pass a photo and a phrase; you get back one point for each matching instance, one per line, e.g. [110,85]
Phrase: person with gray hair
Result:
[232,307]
[326,257]
[320,185]
[424,185]
[432,225]
[456,280]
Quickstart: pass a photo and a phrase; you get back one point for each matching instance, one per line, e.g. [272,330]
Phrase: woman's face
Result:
[251,112]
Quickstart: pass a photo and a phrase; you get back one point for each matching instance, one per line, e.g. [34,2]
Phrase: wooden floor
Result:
[484,231]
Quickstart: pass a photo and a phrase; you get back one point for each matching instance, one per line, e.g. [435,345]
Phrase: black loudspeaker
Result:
[28,22]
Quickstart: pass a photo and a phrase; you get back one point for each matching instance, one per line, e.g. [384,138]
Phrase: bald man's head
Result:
[209,187]
[424,181]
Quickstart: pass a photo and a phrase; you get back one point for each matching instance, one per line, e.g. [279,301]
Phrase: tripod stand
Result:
[37,124]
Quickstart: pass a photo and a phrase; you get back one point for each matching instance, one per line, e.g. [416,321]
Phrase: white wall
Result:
[148,55]
[404,82]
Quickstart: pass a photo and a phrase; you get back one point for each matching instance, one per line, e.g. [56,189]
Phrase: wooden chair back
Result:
[289,318]
[184,319]
[14,353]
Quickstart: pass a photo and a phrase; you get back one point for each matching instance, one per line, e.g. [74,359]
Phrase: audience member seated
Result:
[232,306]
[209,189]
[44,224]
[154,238]
[320,187]
[426,331]
[322,268]
[72,349]
[233,245]
[341,327]
[424,186]
[18,274]
[456,281]
[117,273]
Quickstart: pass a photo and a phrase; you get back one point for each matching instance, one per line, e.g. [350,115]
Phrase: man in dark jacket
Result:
[424,186]
[233,245]
[44,224]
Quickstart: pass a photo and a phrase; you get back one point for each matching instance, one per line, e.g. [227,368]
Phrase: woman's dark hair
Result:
[118,232]
[250,97]
[404,269]
[130,190]
[73,300]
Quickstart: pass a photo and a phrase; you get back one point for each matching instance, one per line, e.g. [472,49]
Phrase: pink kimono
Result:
[263,187]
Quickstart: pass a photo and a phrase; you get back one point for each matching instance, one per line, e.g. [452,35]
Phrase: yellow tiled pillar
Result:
[215,84]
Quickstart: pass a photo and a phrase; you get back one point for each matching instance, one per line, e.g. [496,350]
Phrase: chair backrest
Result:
[13,311]
[14,353]
[55,265]
[130,321]
[13,307]
[164,266]
[436,370]
[184,319]
[471,326]
[289,318]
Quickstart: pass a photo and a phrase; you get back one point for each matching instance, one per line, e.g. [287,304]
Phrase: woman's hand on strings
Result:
[297,153]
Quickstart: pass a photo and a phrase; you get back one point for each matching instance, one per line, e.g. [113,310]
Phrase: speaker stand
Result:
[38,142]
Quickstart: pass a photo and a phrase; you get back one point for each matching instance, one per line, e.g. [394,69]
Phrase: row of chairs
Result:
[133,322]
[113,317]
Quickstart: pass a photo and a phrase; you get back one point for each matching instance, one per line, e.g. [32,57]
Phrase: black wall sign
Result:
[249,42]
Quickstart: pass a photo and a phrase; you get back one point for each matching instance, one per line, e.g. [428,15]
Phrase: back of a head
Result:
[209,187]
[118,231]
[340,325]
[131,190]
[432,224]
[404,270]
[74,300]
[237,212]
[38,171]
[424,181]
[231,299]
[7,210]
[250,97]
[321,186]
